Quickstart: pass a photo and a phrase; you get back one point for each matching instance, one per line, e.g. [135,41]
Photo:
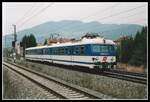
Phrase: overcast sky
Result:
[26,15]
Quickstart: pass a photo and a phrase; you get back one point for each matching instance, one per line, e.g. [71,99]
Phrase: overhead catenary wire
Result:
[85,17]
[26,14]
[125,11]
[35,15]
[129,10]
[130,16]
[123,27]
[32,12]
[101,18]
[108,30]
[103,27]
[95,13]
[115,14]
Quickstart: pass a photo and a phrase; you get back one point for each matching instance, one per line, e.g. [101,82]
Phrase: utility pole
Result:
[15,39]
[5,52]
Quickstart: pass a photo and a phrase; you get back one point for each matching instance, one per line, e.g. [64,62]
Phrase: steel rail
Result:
[78,92]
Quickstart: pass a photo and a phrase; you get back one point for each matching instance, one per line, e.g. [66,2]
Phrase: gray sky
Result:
[22,14]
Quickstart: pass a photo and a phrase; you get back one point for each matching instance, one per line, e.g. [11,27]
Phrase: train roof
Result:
[96,40]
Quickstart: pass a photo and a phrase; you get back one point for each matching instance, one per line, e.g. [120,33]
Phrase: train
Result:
[94,53]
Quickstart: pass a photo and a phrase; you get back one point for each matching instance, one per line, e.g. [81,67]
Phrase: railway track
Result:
[129,76]
[134,77]
[60,89]
[129,73]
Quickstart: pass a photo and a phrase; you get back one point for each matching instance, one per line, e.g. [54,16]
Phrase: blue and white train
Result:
[88,52]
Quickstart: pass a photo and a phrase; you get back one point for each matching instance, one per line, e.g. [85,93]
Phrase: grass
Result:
[129,68]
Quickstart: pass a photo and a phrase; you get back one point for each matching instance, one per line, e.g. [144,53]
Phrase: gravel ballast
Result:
[116,88]
[18,87]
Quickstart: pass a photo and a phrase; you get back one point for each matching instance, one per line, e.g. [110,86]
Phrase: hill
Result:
[76,29]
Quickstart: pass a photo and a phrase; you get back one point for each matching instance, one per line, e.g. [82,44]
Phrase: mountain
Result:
[75,29]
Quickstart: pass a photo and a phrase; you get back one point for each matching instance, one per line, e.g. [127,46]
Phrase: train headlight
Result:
[112,59]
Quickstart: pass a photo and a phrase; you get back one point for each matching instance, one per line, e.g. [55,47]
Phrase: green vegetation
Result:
[134,50]
[126,49]
[28,41]
[45,42]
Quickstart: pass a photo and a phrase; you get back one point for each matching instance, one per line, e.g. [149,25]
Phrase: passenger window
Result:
[49,51]
[82,49]
[56,51]
[69,51]
[62,51]
[77,50]
[66,51]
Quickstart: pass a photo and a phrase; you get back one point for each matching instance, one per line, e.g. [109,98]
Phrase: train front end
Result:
[104,56]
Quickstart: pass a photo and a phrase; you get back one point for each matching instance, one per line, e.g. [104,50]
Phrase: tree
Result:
[32,41]
[139,56]
[126,49]
[23,44]
[45,42]
[28,41]
[118,51]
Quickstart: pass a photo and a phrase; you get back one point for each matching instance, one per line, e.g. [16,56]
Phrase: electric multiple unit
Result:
[89,52]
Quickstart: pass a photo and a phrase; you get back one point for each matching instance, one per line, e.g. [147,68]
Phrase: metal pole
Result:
[5,46]
[15,39]
[25,53]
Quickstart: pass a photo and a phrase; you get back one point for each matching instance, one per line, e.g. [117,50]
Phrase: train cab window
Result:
[112,48]
[102,48]
[95,48]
